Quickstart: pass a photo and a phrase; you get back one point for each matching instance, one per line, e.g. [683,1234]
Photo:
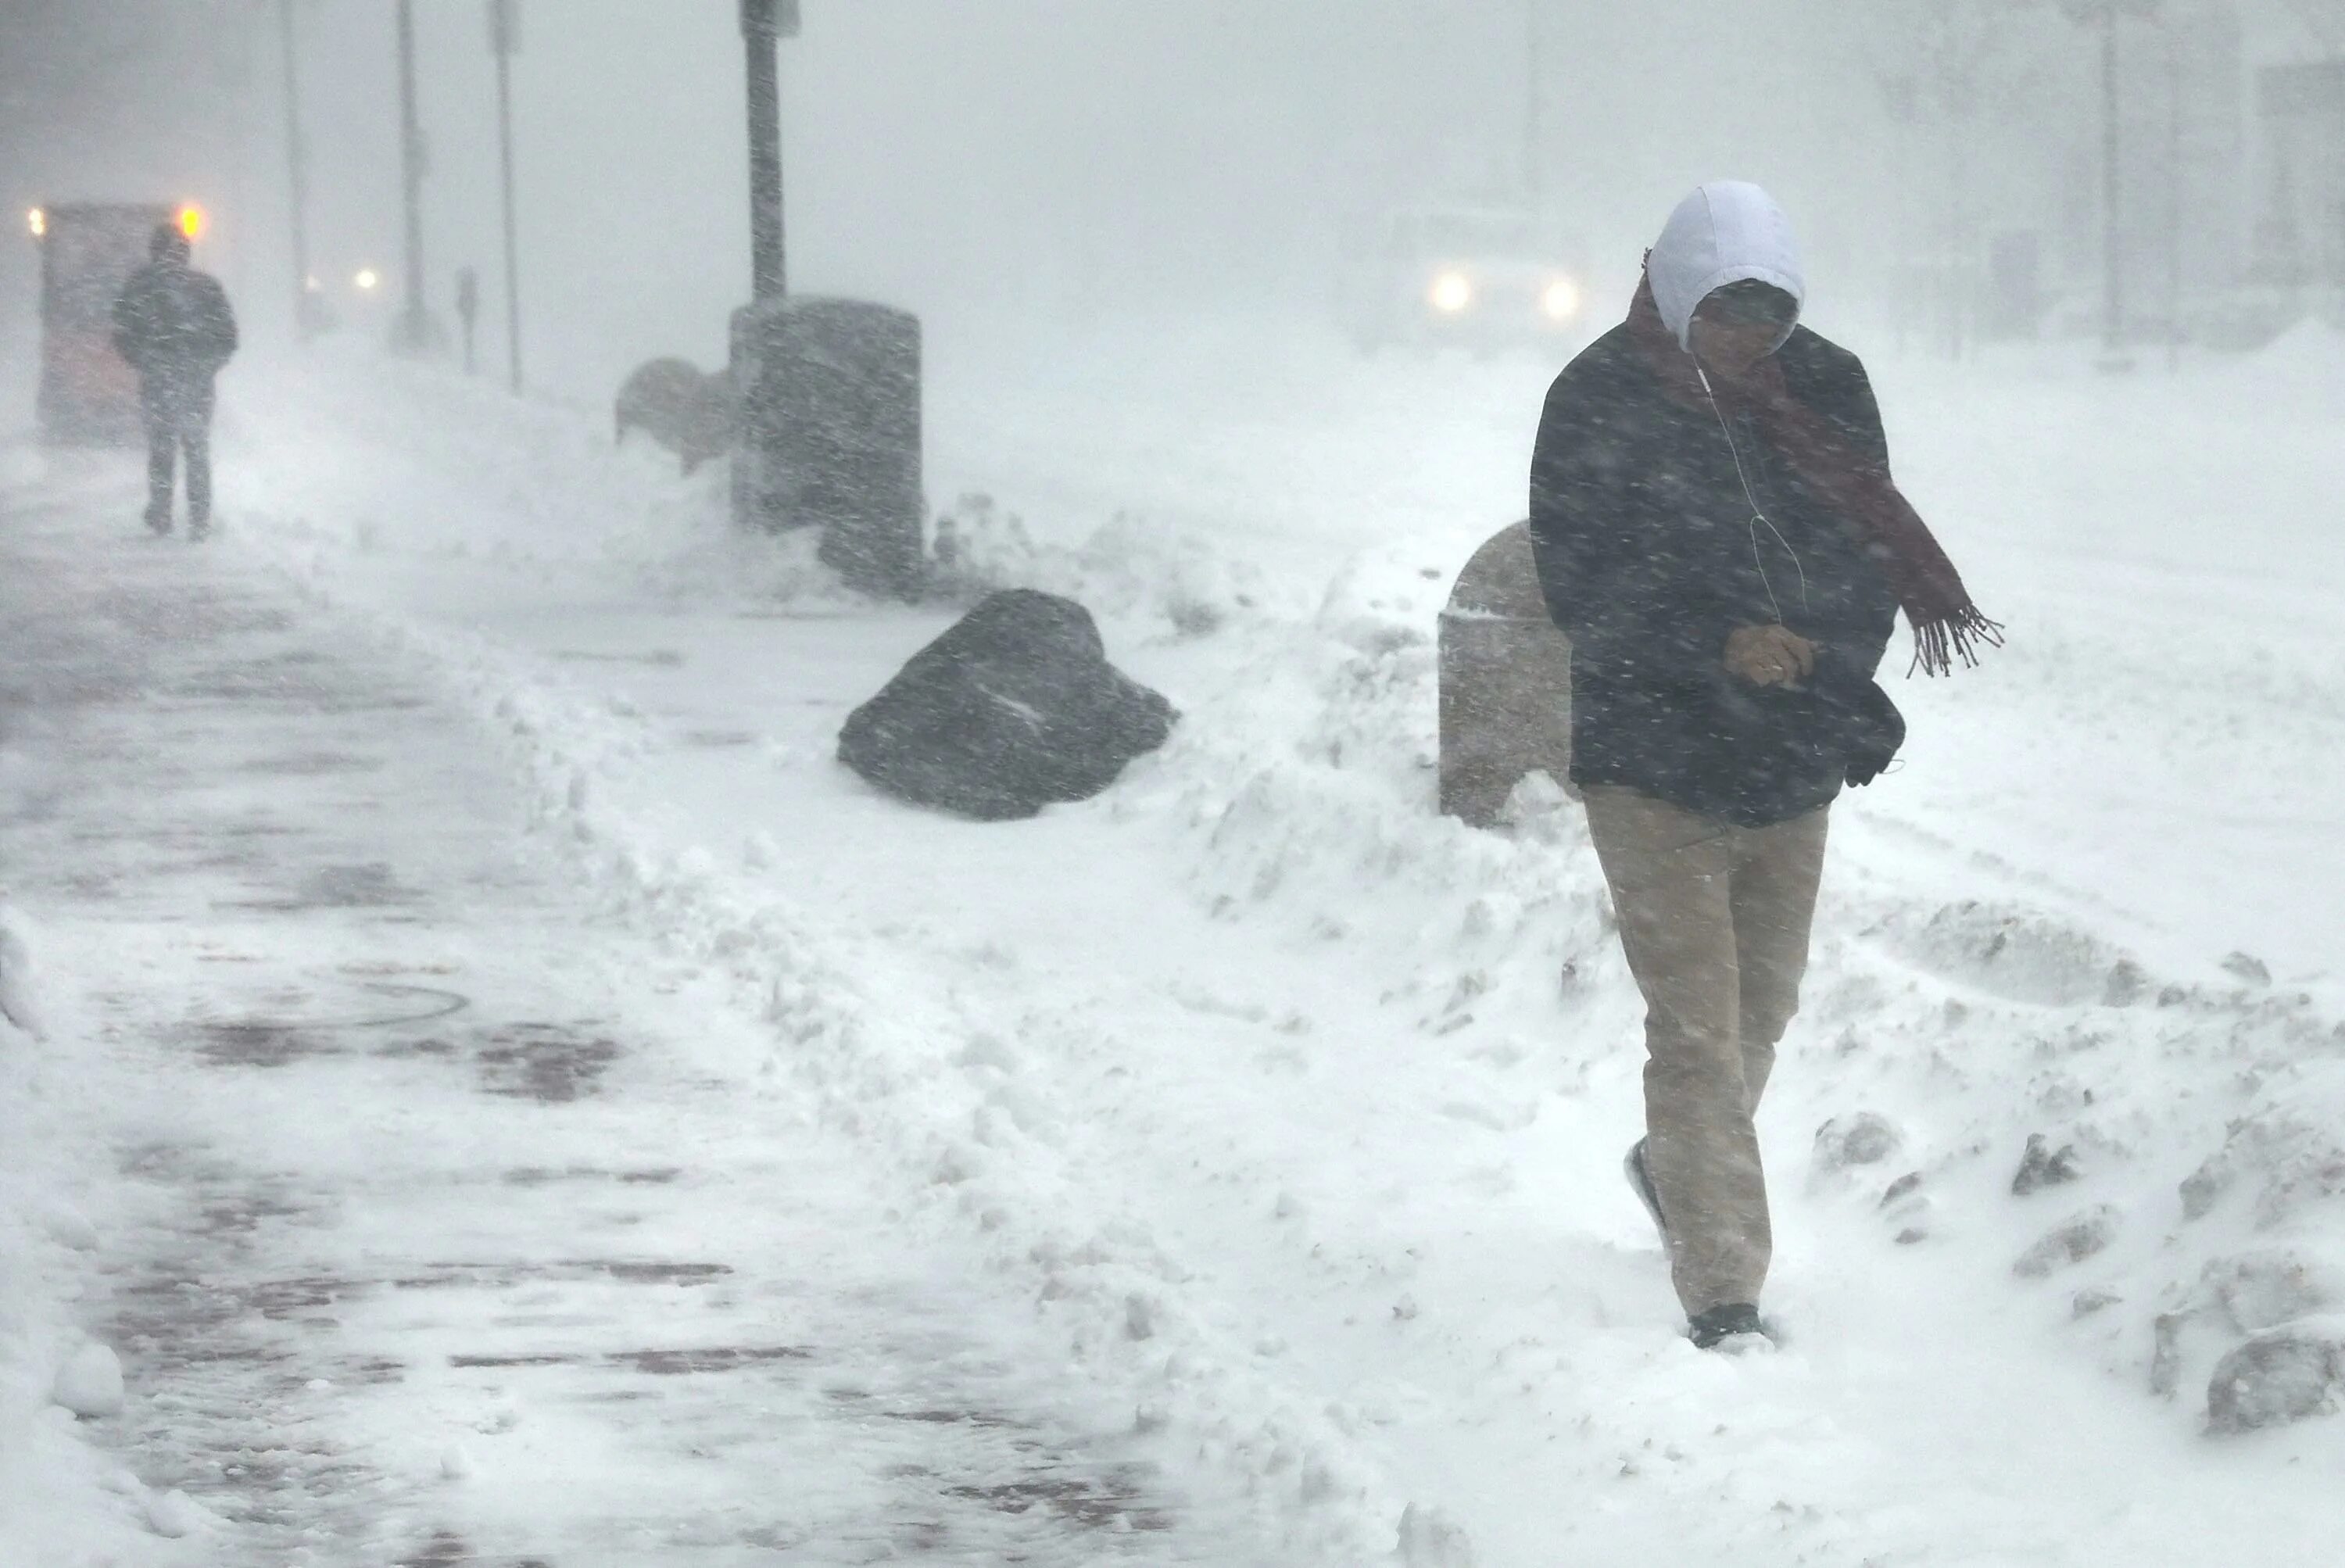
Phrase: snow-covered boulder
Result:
[1862,1139]
[2288,1374]
[90,1382]
[2289,1159]
[20,1001]
[2069,1243]
[1431,1538]
[174,1515]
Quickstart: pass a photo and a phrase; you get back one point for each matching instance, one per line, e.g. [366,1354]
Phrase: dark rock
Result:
[2275,1379]
[1908,1206]
[2261,1290]
[2128,983]
[1862,1139]
[2041,1168]
[2292,1161]
[1012,709]
[2247,967]
[2203,1189]
[2079,1238]
[2165,1358]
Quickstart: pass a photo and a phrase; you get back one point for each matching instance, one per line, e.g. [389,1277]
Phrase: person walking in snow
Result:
[1717,532]
[175,327]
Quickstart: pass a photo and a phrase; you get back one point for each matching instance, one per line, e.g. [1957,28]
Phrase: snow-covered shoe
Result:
[1640,1182]
[1733,1328]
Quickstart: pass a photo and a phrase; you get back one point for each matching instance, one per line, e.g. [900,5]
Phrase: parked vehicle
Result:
[1482,278]
[88,395]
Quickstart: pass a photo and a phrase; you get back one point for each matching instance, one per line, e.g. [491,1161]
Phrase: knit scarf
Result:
[1946,625]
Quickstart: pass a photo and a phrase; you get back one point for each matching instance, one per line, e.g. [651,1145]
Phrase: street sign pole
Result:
[504,39]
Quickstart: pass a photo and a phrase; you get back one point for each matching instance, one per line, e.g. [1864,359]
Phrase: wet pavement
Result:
[444,1225]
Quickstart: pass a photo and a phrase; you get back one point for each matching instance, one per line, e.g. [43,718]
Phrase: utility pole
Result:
[414,328]
[296,173]
[2108,14]
[2174,182]
[764,25]
[2112,199]
[504,39]
[1535,104]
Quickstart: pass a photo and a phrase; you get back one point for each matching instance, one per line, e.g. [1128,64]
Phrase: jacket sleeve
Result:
[219,334]
[1618,591]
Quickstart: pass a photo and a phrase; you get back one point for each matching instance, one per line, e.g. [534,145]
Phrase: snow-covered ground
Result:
[1294,1110]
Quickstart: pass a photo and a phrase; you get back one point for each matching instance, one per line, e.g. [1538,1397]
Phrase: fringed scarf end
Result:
[1965,635]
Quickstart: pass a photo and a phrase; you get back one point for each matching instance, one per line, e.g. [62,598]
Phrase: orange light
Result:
[191,222]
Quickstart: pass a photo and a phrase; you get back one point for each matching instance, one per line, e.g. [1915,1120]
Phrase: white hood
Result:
[1726,232]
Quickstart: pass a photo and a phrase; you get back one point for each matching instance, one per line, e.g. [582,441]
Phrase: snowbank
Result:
[63,1498]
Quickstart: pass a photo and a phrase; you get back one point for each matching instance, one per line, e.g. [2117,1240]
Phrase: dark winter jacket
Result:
[174,325]
[1650,555]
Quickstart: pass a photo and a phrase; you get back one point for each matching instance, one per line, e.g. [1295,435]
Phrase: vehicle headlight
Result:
[39,221]
[368,280]
[1560,300]
[1452,293]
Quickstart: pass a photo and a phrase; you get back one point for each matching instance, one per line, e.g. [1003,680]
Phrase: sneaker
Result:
[1640,1182]
[1733,1328]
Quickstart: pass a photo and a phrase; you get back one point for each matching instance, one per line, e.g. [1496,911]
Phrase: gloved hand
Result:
[1770,655]
[1877,730]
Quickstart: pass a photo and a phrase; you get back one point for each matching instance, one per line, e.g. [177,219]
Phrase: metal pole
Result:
[413,331]
[2172,197]
[761,33]
[1534,106]
[296,173]
[2112,194]
[513,244]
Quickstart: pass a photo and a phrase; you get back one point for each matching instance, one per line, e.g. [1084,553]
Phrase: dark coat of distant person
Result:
[174,326]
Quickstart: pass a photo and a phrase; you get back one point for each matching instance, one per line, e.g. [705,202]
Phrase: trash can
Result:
[1506,683]
[830,437]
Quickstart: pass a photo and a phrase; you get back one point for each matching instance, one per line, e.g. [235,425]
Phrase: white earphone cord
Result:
[1758,514]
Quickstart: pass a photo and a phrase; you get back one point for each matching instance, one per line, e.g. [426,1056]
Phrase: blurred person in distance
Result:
[175,327]
[1718,532]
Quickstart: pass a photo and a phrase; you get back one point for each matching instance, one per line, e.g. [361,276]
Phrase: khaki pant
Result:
[1715,922]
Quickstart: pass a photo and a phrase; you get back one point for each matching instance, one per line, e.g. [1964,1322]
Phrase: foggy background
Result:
[1029,162]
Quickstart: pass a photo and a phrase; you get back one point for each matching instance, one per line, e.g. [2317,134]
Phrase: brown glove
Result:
[1770,656]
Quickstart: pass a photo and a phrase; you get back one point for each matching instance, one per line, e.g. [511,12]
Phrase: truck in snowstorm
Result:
[88,393]
[1479,277]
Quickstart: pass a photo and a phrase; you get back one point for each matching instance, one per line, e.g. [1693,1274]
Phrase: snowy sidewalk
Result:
[437,1223]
